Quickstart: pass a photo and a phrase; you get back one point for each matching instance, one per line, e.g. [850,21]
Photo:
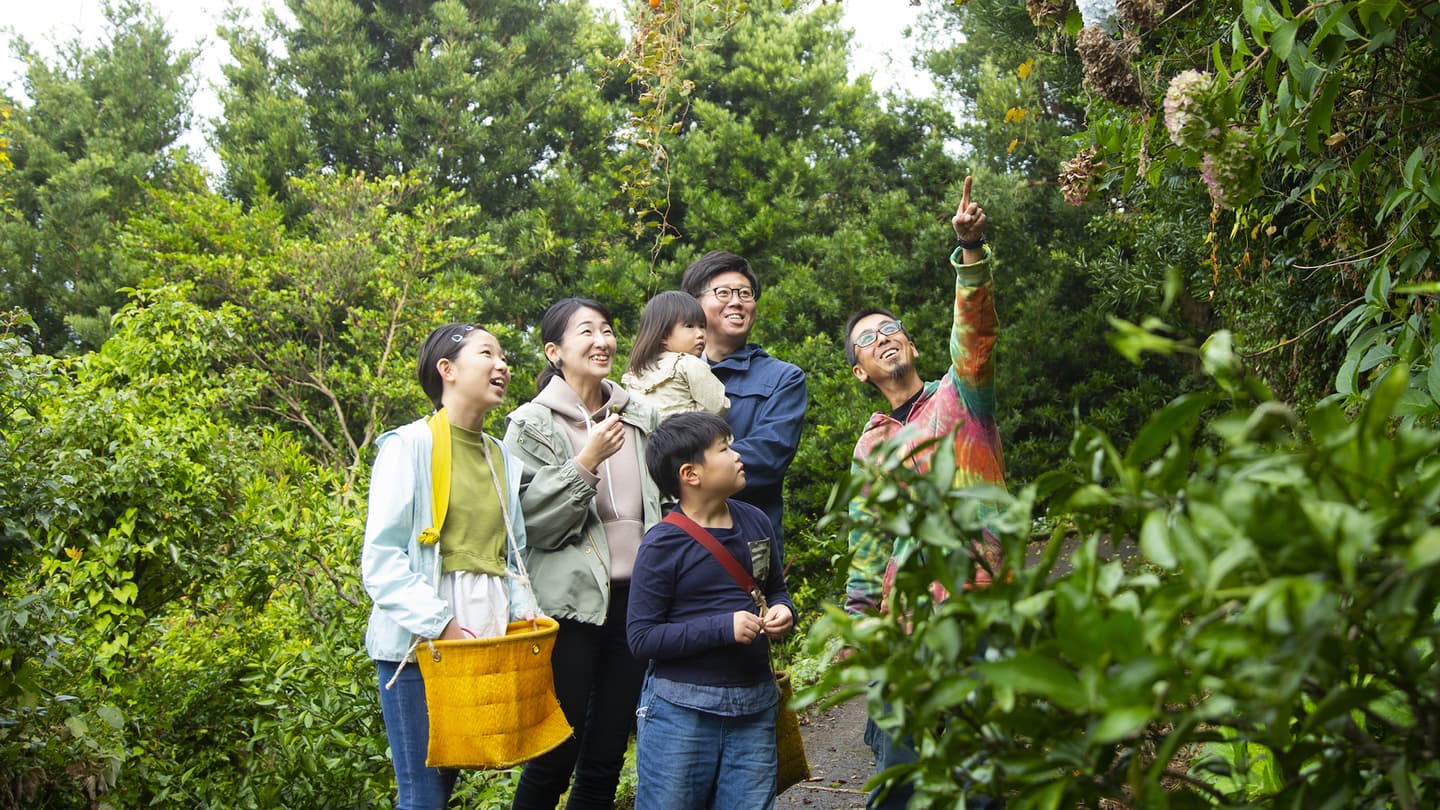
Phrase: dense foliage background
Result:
[195,368]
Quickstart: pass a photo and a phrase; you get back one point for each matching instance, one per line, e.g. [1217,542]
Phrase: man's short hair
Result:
[681,439]
[850,353]
[697,276]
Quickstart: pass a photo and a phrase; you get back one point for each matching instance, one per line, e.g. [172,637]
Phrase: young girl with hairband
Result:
[436,560]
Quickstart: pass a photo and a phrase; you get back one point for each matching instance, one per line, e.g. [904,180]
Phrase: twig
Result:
[1311,328]
[334,580]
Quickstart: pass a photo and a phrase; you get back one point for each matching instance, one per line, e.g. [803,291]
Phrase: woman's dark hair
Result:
[444,343]
[659,317]
[552,330]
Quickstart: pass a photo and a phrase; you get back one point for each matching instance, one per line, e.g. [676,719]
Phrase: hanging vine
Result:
[665,32]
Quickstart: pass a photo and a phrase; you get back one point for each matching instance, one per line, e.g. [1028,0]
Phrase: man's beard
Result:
[900,372]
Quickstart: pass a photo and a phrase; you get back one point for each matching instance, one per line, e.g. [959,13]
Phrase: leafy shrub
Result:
[1274,643]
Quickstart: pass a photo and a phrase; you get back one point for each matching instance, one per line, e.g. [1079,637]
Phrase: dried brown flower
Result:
[1107,68]
[1140,15]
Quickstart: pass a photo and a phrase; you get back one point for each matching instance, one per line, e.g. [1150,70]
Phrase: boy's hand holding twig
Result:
[778,621]
[748,626]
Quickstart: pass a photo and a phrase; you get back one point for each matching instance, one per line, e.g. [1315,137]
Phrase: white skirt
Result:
[481,602]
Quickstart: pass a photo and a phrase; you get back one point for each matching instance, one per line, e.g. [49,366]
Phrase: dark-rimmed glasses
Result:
[869,336]
[722,294]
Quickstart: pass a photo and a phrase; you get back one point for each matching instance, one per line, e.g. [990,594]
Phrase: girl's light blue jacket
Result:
[398,571]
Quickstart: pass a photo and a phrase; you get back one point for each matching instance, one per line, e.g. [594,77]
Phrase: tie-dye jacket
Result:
[961,405]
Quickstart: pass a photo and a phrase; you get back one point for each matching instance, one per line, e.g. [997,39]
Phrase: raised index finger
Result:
[965,194]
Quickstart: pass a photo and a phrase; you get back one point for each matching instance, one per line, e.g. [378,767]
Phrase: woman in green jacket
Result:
[587,500]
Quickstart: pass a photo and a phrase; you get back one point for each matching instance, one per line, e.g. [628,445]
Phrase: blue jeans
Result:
[888,752]
[896,796]
[407,725]
[685,758]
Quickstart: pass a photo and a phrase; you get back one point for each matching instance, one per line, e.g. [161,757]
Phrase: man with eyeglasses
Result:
[767,396]
[959,407]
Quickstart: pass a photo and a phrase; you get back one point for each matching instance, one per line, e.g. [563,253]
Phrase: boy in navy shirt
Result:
[706,720]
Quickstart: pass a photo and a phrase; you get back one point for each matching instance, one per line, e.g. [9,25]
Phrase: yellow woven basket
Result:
[492,700]
[793,766]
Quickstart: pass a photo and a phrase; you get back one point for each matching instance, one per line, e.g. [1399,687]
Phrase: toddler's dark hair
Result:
[659,317]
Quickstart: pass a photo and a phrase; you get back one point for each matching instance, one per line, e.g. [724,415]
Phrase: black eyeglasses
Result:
[722,294]
[869,336]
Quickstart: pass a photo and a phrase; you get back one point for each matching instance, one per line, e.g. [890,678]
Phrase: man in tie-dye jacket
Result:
[959,407]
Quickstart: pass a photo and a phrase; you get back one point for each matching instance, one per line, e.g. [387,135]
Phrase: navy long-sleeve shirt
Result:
[683,601]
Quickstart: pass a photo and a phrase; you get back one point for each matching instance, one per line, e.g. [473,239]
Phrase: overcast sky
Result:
[879,45]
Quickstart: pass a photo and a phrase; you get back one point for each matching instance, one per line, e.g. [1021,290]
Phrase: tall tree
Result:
[511,104]
[99,125]
[479,97]
[836,201]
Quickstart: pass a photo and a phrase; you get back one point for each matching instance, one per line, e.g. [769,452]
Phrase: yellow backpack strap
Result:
[439,475]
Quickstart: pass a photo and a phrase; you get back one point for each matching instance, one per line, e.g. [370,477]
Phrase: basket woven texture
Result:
[789,746]
[492,700]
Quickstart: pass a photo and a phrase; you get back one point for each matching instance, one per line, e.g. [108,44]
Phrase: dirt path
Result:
[840,761]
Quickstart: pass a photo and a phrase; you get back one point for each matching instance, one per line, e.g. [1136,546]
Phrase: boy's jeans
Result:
[407,725]
[686,758]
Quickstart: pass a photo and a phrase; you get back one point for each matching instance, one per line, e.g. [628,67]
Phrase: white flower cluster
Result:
[1187,108]
[1099,13]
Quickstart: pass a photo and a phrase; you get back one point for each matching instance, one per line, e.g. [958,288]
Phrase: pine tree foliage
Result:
[99,125]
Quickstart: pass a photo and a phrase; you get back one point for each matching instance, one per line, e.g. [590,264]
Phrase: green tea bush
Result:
[1274,644]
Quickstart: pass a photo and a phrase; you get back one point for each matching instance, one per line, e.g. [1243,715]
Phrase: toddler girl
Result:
[665,366]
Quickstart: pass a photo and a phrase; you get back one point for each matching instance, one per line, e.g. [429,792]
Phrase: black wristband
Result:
[966,244]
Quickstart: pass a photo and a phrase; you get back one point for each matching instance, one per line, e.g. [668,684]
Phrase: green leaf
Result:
[1321,112]
[78,727]
[1121,723]
[1327,422]
[1425,551]
[1411,172]
[1262,18]
[1283,40]
[1131,340]
[1432,377]
[1423,288]
[1393,200]
[111,715]
[1073,23]
[1328,18]
[1039,675]
[1047,798]
[1384,396]
[1180,415]
[1416,402]
[1089,496]
[126,592]
[1155,540]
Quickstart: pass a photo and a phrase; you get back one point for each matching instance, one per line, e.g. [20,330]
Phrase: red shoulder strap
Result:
[724,557]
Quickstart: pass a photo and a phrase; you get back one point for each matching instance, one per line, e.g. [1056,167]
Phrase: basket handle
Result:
[509,533]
